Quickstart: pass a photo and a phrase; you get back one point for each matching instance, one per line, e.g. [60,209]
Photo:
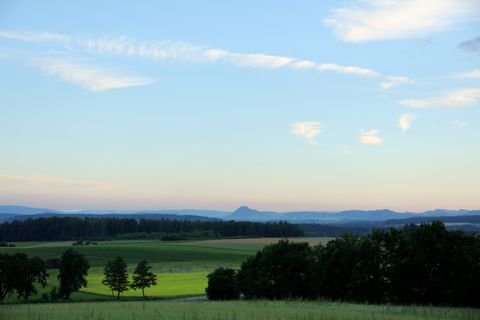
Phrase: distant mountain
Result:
[23,210]
[370,218]
[137,216]
[192,212]
[245,213]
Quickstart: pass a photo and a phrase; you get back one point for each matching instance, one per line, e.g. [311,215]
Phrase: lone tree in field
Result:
[116,277]
[73,271]
[143,277]
[222,285]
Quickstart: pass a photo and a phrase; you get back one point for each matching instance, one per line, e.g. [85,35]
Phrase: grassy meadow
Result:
[238,310]
[181,266]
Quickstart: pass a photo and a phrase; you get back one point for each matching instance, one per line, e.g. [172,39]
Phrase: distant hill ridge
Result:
[243,213]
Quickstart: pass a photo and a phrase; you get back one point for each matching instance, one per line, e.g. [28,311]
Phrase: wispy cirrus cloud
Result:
[370,20]
[459,98]
[34,36]
[307,129]
[405,121]
[184,51]
[87,76]
[42,180]
[370,137]
[395,81]
[473,74]
[167,50]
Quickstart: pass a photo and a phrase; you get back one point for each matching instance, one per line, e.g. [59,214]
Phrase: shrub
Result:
[222,285]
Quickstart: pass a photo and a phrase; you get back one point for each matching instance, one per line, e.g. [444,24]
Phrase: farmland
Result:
[181,266]
[239,310]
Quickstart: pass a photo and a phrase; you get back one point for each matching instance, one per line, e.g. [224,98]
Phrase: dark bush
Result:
[282,270]
[222,285]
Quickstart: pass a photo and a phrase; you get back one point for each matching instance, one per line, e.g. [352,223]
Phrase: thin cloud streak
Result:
[183,51]
[460,98]
[88,77]
[34,36]
[53,181]
[474,74]
[167,50]
[370,20]
[395,81]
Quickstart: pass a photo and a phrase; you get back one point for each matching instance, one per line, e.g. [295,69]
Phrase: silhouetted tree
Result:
[143,277]
[282,270]
[8,274]
[73,270]
[222,285]
[19,274]
[116,277]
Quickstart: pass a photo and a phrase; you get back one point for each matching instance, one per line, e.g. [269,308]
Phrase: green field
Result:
[181,266]
[238,310]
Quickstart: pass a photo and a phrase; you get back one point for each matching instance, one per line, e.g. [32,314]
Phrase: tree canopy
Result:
[424,264]
[73,270]
[143,277]
[115,276]
[19,274]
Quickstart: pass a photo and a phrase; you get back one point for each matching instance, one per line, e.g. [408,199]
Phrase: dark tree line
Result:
[70,228]
[423,264]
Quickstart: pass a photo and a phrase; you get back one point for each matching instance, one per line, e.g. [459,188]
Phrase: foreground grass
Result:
[238,310]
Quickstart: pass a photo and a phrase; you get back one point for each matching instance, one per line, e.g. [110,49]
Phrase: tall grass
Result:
[237,310]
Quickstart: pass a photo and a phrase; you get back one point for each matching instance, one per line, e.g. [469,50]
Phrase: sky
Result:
[278,105]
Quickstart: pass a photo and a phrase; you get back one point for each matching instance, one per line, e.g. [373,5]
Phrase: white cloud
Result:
[182,51]
[88,77]
[454,99]
[33,36]
[370,137]
[307,129]
[474,74]
[167,50]
[405,121]
[368,20]
[394,81]
[460,123]
[347,69]
[8,179]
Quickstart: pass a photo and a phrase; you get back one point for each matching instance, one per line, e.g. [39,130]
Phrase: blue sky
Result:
[284,106]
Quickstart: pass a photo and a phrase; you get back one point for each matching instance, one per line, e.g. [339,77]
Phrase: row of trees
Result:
[423,264]
[72,228]
[20,275]
[116,277]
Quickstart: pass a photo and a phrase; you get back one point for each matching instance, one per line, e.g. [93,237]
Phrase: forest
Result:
[72,228]
[421,265]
